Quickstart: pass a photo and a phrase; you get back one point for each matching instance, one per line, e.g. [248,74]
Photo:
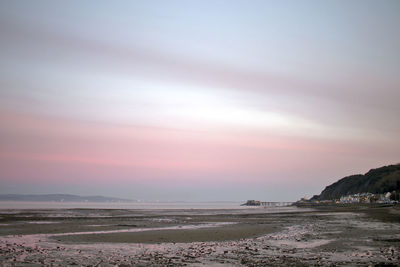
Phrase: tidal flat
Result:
[286,236]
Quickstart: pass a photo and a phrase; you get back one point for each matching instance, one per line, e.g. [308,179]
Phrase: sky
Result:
[196,100]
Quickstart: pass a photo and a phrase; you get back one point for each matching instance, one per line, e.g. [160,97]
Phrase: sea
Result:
[233,206]
[119,205]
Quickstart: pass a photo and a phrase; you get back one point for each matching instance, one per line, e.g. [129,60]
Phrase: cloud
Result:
[354,102]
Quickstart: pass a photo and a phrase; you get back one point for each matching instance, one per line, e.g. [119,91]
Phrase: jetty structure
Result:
[267,203]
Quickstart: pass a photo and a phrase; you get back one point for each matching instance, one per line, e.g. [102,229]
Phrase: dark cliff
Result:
[376,181]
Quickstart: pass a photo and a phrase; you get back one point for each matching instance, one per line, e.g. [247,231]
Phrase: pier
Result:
[276,204]
[267,203]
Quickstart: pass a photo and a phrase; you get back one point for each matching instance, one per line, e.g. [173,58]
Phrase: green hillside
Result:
[376,181]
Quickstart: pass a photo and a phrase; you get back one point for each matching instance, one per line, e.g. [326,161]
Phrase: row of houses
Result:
[356,198]
[366,198]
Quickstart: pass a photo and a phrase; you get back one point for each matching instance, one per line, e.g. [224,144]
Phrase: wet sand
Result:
[326,236]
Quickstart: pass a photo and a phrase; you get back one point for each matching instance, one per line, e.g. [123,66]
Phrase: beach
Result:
[259,236]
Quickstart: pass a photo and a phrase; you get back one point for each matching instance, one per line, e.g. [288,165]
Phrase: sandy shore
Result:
[254,237]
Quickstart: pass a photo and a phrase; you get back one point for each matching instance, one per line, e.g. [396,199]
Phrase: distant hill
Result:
[61,198]
[376,181]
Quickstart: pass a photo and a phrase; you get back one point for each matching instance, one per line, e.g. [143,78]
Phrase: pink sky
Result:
[146,101]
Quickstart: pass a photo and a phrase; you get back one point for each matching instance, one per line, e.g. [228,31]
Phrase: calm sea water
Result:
[120,205]
[15,205]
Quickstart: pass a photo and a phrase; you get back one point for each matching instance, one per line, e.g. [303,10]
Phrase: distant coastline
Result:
[61,198]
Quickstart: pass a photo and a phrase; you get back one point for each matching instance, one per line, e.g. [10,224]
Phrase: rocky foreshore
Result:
[309,237]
